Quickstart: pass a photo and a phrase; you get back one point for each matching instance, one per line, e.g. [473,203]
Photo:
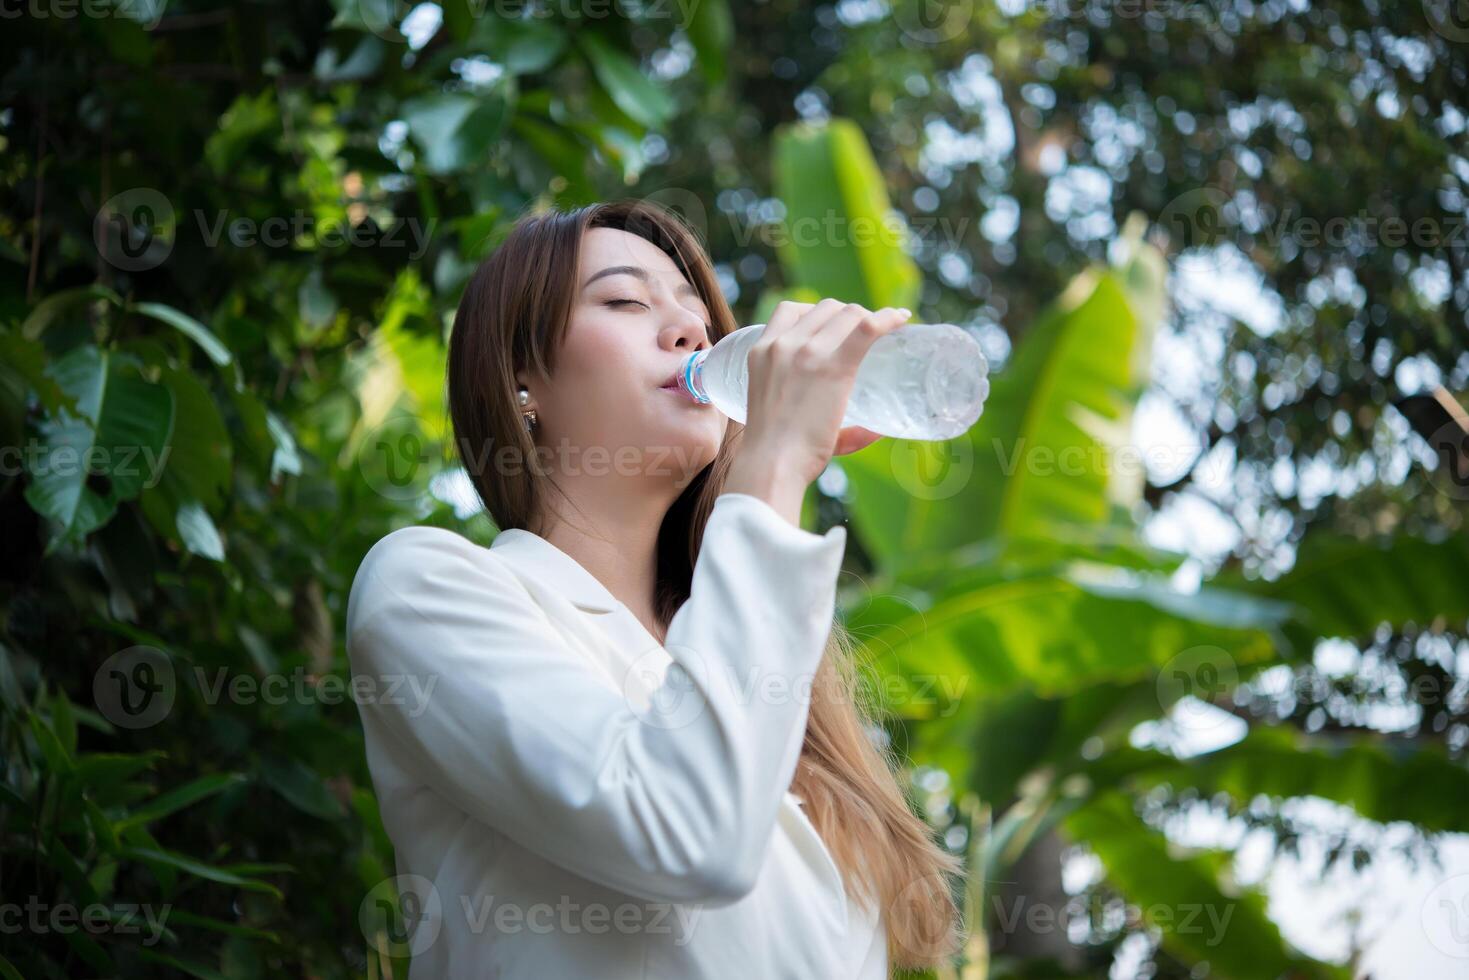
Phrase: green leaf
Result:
[184,917]
[841,235]
[1200,921]
[23,367]
[561,153]
[365,61]
[711,31]
[455,131]
[177,799]
[103,772]
[522,46]
[187,966]
[189,327]
[1345,587]
[197,531]
[63,302]
[1382,780]
[1040,632]
[635,93]
[53,750]
[89,950]
[119,432]
[197,473]
[301,786]
[198,869]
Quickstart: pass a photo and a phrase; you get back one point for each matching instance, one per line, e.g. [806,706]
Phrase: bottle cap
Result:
[691,378]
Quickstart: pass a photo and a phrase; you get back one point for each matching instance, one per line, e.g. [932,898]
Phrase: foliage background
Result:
[233,233]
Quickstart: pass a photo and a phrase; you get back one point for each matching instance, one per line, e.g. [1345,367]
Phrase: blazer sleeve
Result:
[669,804]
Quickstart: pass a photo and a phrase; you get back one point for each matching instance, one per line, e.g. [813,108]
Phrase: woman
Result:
[637,751]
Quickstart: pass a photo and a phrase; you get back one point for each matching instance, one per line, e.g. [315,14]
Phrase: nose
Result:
[684,331]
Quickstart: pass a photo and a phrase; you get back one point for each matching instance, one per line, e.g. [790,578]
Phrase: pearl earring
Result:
[529,416]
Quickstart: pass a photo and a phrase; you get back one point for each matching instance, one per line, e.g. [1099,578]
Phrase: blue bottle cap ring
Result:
[693,377]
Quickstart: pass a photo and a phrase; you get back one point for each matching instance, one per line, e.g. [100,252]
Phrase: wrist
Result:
[762,475]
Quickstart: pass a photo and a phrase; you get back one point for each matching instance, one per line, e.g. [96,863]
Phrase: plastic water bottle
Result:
[925,381]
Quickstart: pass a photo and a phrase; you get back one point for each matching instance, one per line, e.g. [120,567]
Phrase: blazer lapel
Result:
[628,658]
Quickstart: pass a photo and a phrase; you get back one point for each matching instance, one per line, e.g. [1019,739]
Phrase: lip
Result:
[671,382]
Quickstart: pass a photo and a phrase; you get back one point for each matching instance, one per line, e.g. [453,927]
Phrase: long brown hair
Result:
[512,317]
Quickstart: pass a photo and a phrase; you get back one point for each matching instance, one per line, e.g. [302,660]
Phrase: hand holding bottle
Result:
[801,372]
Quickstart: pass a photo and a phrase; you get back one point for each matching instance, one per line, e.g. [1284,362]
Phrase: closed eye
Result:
[619,302]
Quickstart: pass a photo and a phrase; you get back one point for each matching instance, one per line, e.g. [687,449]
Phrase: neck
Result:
[613,533]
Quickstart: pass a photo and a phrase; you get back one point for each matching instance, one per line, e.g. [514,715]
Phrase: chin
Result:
[676,448]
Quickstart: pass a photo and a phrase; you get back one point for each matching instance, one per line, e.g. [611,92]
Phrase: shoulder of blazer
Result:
[405,557]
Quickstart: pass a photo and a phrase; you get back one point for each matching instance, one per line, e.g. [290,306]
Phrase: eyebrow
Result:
[638,272]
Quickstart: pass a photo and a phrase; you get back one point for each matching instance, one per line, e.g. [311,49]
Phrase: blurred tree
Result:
[234,233]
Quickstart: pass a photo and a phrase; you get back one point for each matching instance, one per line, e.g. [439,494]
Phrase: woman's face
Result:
[635,318]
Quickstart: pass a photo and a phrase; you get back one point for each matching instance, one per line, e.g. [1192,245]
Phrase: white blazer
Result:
[556,808]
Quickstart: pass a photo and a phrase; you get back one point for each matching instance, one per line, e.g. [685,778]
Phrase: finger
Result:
[835,334]
[822,320]
[858,340]
[785,314]
[810,321]
[853,438]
